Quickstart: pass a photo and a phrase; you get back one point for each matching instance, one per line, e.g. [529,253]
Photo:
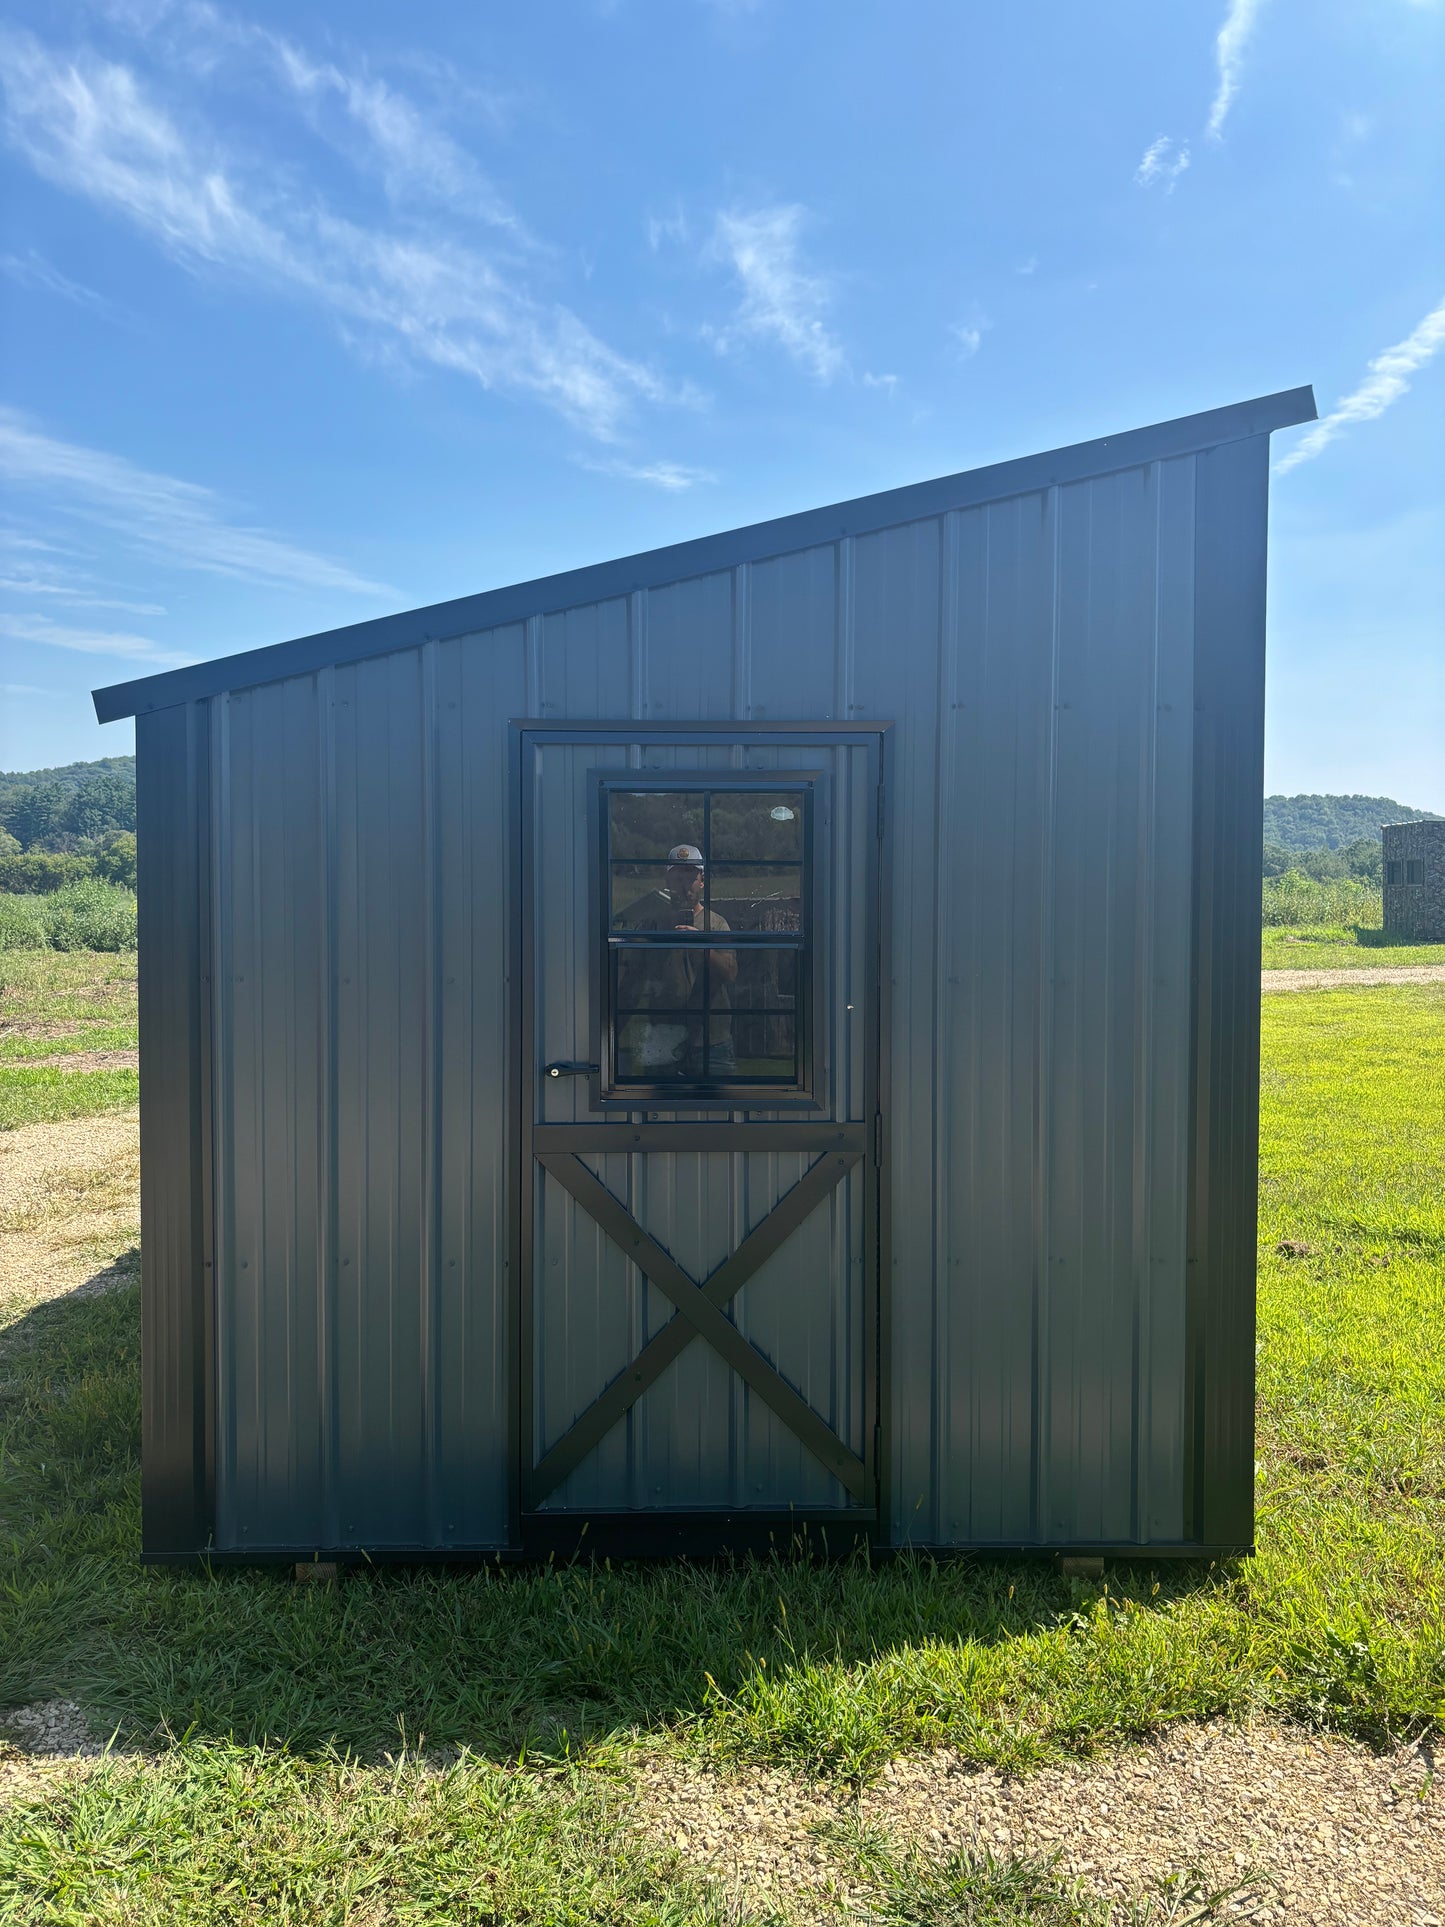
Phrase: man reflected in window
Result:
[665,992]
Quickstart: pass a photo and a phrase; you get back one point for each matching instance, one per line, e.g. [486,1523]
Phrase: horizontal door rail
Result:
[566,1139]
[701,1314]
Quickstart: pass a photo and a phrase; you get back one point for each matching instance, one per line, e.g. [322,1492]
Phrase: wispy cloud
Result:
[36,585]
[672,476]
[1162,164]
[414,155]
[783,301]
[1387,379]
[1031,266]
[888,383]
[33,271]
[180,521]
[90,126]
[667,229]
[1229,48]
[91,642]
[968,334]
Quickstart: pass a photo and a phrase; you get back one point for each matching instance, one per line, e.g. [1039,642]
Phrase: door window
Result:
[705,899]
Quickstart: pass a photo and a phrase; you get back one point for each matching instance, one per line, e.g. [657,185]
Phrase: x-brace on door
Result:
[698,1003]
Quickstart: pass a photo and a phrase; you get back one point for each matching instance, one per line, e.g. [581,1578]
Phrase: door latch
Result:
[569,1067]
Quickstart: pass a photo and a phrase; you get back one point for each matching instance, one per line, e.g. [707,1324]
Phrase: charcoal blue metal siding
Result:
[1069,652]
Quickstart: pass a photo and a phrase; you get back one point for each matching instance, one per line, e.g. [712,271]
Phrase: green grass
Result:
[44,1094]
[221,1834]
[1338,1619]
[88,997]
[1341,946]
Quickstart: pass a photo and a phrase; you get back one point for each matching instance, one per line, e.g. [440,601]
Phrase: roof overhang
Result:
[548,594]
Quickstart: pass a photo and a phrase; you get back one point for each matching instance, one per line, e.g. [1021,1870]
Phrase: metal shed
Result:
[761,1034]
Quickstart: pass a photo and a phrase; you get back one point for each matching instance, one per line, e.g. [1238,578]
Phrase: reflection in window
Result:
[706,909]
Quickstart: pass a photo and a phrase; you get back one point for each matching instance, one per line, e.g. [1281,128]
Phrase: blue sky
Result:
[313,312]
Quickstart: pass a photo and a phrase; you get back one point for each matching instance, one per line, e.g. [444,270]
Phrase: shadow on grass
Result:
[832,1665]
[1370,937]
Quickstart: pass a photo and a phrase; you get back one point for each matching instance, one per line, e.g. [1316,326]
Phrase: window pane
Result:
[759,824]
[655,896]
[655,1047]
[753,896]
[649,823]
[661,976]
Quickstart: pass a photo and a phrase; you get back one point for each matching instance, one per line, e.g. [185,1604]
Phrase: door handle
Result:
[569,1067]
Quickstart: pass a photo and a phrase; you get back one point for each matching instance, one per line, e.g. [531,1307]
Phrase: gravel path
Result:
[1319,1830]
[1351,979]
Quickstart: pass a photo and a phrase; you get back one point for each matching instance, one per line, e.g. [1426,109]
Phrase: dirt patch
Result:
[1312,1829]
[40,1028]
[1351,979]
[81,1060]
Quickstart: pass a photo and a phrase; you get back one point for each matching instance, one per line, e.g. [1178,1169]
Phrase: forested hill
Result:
[1330,822]
[75,808]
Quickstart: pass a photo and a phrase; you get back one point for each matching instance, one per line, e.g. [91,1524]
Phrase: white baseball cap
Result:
[685,853]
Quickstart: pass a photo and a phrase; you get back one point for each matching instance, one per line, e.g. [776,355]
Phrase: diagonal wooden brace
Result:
[701,1315]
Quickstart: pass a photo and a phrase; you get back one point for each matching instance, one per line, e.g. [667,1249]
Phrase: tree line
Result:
[59,826]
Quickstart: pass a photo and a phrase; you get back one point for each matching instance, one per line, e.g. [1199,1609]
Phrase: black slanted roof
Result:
[707,554]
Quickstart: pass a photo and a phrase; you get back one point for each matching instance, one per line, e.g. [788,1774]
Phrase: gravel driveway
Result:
[1311,1829]
[1351,979]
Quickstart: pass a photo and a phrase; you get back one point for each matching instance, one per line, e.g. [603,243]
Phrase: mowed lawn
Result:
[450,1746]
[55,1003]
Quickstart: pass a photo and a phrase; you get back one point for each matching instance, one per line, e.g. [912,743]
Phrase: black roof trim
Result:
[601,581]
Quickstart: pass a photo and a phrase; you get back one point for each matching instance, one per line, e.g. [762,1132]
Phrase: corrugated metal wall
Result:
[1036,658]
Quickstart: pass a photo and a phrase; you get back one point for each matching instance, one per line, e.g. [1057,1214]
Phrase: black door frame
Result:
[841,1147]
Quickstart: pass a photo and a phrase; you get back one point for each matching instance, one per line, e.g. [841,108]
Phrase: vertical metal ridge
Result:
[845,630]
[1043,1431]
[327,1217]
[945,1286]
[1231,522]
[742,640]
[637,663]
[223,1129]
[1146,1003]
[432,1045]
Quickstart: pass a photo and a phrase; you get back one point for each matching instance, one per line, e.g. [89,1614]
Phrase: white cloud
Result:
[1028,267]
[88,126]
[91,642]
[888,383]
[672,476]
[1388,378]
[782,300]
[1229,57]
[178,520]
[1163,162]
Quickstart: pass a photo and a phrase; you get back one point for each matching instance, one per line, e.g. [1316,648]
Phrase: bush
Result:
[116,862]
[40,871]
[86,915]
[1297,899]
[22,923]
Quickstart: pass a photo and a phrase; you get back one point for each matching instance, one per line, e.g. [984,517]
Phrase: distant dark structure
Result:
[757,1036]
[1415,880]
